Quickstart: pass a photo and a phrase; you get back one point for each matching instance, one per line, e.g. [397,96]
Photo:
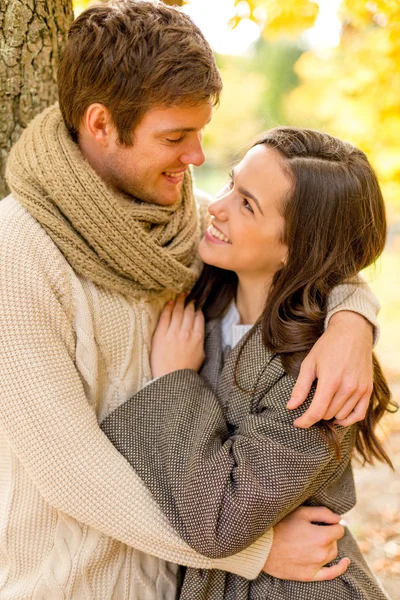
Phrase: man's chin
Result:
[168,199]
[160,200]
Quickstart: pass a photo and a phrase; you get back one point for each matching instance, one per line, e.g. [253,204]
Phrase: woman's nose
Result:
[218,209]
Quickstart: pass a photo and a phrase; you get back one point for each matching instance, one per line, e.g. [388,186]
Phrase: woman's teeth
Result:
[219,235]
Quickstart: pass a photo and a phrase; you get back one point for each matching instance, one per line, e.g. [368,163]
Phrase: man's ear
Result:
[98,124]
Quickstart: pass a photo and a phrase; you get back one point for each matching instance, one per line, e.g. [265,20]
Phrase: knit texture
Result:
[134,247]
[71,507]
[228,463]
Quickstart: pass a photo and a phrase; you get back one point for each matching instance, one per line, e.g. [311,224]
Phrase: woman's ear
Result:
[285,257]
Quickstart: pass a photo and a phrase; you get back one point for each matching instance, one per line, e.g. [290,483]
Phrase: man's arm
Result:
[49,422]
[221,490]
[343,391]
[301,548]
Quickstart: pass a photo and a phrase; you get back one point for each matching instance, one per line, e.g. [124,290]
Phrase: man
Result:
[100,230]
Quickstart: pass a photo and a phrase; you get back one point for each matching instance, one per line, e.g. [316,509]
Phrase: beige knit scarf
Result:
[134,248]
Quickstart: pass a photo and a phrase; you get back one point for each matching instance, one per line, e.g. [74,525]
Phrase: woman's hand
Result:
[300,548]
[178,341]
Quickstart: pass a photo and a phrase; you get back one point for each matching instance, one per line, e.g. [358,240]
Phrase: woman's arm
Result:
[221,490]
[49,422]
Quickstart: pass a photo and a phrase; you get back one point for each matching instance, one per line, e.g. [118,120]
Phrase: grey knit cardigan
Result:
[222,457]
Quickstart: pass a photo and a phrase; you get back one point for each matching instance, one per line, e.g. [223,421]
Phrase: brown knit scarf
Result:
[134,248]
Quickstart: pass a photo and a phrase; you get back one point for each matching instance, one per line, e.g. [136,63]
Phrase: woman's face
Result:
[247,226]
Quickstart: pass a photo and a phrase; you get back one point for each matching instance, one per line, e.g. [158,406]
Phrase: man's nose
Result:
[194,155]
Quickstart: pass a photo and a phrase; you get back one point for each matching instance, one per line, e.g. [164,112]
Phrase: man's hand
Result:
[341,360]
[300,549]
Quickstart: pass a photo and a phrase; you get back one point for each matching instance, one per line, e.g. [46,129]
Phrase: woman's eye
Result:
[247,205]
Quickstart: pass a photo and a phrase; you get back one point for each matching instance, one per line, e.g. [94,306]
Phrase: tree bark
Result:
[32,33]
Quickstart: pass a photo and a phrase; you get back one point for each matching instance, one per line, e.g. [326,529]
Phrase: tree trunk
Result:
[32,33]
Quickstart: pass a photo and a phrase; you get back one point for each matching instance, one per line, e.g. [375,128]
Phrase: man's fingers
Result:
[318,407]
[303,385]
[356,405]
[357,414]
[342,405]
[320,514]
[333,533]
[345,409]
[347,396]
[328,573]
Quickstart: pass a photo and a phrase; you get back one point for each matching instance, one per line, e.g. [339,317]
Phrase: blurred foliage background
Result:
[332,65]
[348,86]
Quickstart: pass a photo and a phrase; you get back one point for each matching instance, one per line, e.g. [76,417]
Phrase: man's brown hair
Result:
[132,55]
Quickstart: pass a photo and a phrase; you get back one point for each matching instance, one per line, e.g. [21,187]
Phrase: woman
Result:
[302,213]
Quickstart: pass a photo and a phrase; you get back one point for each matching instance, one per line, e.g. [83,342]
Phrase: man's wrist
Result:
[348,317]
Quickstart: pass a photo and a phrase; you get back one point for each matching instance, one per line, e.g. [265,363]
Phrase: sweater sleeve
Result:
[50,424]
[358,297]
[221,486]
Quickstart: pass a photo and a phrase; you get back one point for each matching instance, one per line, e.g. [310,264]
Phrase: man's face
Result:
[165,142]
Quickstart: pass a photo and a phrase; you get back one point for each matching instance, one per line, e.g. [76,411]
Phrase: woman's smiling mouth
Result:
[216,235]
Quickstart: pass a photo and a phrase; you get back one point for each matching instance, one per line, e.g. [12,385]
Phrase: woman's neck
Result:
[250,300]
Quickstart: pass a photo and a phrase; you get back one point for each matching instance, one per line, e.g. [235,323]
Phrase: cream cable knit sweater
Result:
[71,508]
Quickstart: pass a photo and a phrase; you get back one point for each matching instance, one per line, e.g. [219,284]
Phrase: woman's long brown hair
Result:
[335,226]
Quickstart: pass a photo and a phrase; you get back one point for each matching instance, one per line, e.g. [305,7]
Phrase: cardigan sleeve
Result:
[356,296]
[50,424]
[221,488]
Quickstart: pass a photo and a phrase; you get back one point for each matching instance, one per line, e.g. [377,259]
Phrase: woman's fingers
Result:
[178,312]
[199,323]
[188,319]
[327,573]
[165,318]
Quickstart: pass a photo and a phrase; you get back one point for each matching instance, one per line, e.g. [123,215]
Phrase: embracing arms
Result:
[222,485]
[46,415]
[343,392]
[280,533]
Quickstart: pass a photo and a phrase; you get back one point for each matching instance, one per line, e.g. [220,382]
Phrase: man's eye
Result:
[174,141]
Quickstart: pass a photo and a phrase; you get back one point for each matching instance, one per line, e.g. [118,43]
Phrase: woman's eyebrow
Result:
[248,194]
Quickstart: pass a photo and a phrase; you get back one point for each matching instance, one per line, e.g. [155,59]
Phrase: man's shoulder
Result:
[24,243]
[9,206]
[14,219]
